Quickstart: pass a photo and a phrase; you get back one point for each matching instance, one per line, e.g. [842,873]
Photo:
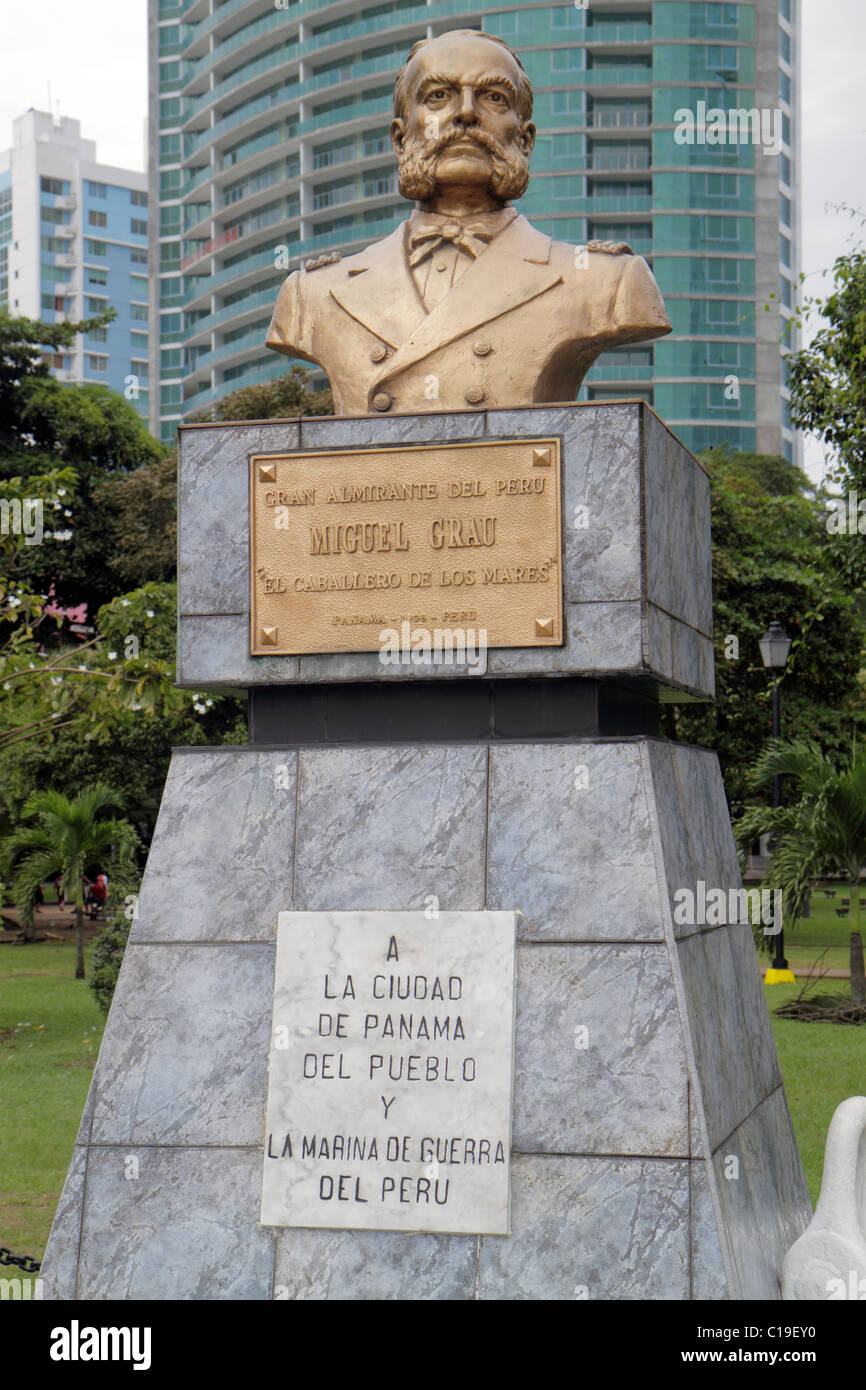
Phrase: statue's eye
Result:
[438,94]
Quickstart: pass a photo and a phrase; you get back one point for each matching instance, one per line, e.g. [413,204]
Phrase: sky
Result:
[93,53]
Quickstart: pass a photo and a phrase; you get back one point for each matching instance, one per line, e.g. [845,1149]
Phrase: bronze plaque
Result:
[358,549]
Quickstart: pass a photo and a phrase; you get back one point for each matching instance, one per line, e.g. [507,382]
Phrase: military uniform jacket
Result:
[521,326]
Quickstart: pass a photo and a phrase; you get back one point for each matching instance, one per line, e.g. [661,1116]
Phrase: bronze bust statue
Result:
[466,304]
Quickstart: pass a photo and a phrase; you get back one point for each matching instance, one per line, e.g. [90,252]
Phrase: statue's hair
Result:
[524,90]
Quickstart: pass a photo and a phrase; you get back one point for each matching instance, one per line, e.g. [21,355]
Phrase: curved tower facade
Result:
[269,144]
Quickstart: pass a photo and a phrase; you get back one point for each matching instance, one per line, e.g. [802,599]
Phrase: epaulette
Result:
[330,258]
[611,248]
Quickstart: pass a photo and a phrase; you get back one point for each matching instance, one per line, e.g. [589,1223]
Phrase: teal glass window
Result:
[566,17]
[619,154]
[566,60]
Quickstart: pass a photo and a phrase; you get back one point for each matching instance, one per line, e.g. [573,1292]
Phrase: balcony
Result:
[601,33]
[207,248]
[612,120]
[356,28]
[617,77]
[618,161]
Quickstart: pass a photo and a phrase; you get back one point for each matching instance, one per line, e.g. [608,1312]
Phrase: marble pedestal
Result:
[656,1162]
[624,1183]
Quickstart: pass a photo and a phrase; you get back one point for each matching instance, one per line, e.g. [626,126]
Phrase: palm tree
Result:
[823,832]
[68,837]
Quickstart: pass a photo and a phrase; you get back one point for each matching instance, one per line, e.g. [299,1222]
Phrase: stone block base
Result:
[657,1162]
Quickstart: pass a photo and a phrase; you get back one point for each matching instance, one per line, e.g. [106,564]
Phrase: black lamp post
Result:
[775,646]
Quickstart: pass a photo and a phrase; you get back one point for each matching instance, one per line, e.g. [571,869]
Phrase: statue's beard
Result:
[509,167]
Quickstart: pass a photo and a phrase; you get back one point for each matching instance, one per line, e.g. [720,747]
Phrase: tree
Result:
[827,381]
[139,511]
[279,399]
[46,424]
[822,832]
[773,559]
[68,838]
[828,377]
[111,704]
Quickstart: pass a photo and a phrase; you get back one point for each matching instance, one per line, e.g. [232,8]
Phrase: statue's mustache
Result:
[463,137]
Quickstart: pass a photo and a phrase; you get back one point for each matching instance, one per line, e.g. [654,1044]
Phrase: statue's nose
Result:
[467,114]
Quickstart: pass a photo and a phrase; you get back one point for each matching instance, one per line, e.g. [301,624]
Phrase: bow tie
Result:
[472,237]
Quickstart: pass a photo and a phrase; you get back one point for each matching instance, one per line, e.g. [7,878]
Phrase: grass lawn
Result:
[50,1029]
[822,1064]
[822,934]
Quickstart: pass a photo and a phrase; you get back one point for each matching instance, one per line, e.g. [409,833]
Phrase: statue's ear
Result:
[398,134]
[527,138]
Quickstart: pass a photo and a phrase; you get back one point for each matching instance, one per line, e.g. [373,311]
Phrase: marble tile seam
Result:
[611,941]
[213,613]
[209,940]
[755,1108]
[608,1155]
[181,1146]
[82,1207]
[659,607]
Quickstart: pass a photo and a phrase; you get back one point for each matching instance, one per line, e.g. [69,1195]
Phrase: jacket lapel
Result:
[379,291]
[514,269]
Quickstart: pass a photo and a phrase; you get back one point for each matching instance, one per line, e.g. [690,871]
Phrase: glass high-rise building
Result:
[73,242]
[670,124]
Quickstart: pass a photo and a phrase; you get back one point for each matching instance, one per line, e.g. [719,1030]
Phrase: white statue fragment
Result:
[829,1259]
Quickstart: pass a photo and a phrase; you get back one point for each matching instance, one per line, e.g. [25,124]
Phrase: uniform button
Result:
[379,353]
[440,265]
[382,401]
[481,348]
[475,394]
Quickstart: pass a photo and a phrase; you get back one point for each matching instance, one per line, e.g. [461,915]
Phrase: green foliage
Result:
[280,399]
[773,559]
[140,514]
[46,424]
[108,952]
[69,838]
[22,343]
[148,614]
[828,377]
[110,709]
[827,380]
[820,833]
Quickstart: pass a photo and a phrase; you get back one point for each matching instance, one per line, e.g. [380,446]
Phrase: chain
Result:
[24,1262]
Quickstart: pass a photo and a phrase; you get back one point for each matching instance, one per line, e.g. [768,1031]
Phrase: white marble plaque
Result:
[391,1072]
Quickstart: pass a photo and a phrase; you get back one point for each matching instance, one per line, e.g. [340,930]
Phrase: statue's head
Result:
[462,108]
